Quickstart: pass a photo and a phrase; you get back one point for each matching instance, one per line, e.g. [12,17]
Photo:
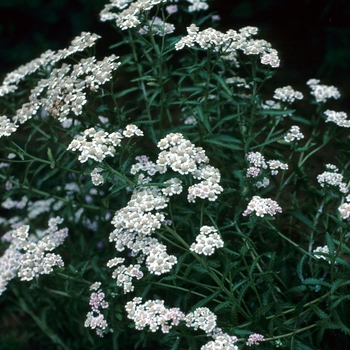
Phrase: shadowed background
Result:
[312,37]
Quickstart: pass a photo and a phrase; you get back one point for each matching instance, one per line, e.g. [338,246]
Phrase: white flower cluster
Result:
[254,339]
[222,341]
[132,130]
[63,92]
[9,203]
[228,44]
[293,134]
[124,275]
[35,259]
[262,184]
[258,160]
[272,104]
[287,94]
[134,11]
[322,92]
[6,127]
[344,210]
[46,60]
[97,145]
[209,188]
[207,241]
[154,314]
[134,225]
[237,81]
[183,157]
[96,177]
[144,164]
[190,120]
[158,27]
[171,9]
[322,251]
[262,206]
[332,178]
[33,208]
[158,261]
[94,318]
[276,164]
[201,318]
[175,187]
[339,118]
[197,5]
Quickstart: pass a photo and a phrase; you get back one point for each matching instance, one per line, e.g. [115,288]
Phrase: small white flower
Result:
[207,241]
[262,206]
[293,134]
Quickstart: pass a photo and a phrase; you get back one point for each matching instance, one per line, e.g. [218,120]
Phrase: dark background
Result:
[311,36]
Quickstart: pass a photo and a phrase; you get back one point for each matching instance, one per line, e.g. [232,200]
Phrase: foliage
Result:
[198,213]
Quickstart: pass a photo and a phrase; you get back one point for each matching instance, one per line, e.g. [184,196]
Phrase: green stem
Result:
[291,333]
[184,289]
[290,241]
[214,277]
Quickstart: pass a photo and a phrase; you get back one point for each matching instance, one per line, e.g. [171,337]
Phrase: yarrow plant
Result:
[184,210]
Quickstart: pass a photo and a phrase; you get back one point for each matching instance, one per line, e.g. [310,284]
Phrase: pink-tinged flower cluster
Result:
[254,339]
[253,172]
[258,161]
[95,319]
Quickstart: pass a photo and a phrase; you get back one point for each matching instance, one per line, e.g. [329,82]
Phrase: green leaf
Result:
[218,142]
[337,221]
[301,217]
[320,313]
[315,281]
[263,310]
[125,92]
[338,300]
[223,305]
[268,142]
[227,119]
[206,300]
[330,244]
[275,111]
[49,154]
[339,283]
[222,83]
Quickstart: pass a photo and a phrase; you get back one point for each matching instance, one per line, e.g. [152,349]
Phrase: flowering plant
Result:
[163,198]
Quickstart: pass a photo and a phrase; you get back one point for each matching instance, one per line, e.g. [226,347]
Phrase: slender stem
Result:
[292,333]
[290,241]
